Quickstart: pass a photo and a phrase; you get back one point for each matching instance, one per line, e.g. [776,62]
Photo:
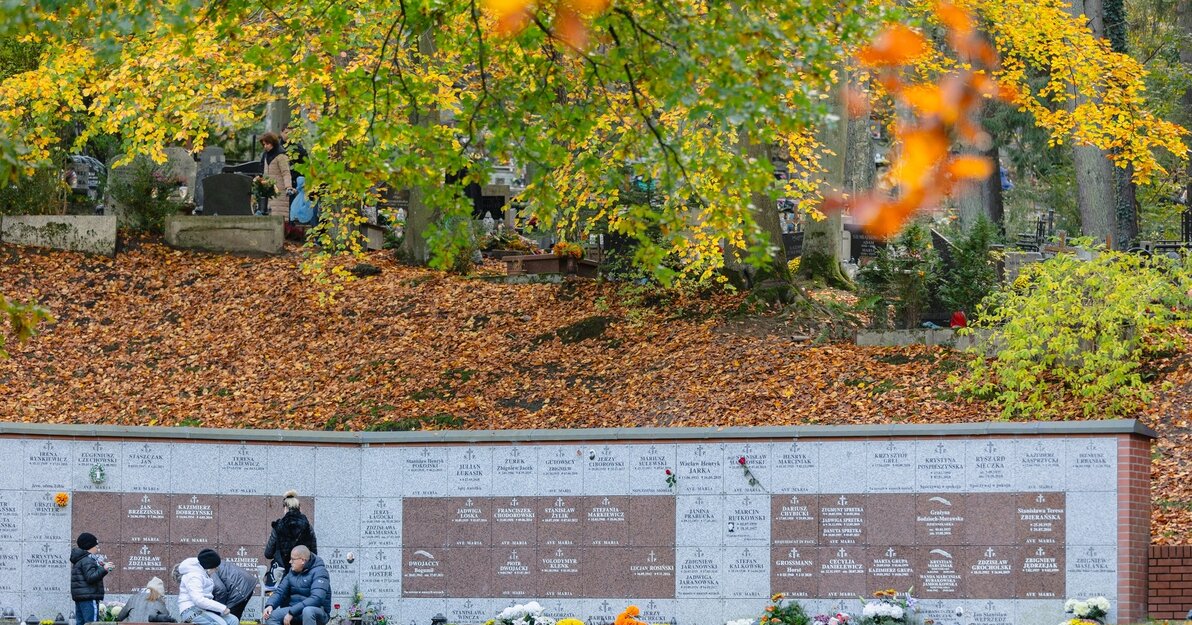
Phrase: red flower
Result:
[668,472]
[741,460]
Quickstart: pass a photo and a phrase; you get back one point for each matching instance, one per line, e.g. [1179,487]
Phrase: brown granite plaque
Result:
[95,512]
[651,572]
[138,562]
[468,571]
[890,567]
[243,520]
[606,521]
[559,572]
[559,521]
[794,571]
[423,572]
[604,571]
[1040,570]
[144,518]
[514,572]
[842,519]
[938,573]
[989,571]
[194,519]
[940,519]
[424,522]
[469,524]
[889,520]
[513,523]
[842,571]
[652,521]
[1040,519]
[990,519]
[794,519]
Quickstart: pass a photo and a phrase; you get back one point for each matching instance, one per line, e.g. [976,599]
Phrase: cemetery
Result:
[586,312]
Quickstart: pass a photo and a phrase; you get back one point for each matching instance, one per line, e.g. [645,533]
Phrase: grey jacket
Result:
[141,610]
[232,584]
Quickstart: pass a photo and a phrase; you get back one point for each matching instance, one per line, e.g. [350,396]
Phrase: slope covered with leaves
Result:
[164,337]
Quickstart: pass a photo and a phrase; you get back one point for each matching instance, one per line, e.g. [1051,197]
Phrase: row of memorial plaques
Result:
[970,465]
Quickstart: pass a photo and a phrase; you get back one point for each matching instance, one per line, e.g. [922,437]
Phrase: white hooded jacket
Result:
[194,590]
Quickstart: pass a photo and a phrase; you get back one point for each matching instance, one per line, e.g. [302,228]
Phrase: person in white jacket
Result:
[195,588]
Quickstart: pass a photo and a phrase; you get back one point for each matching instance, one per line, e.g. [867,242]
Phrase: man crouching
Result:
[304,594]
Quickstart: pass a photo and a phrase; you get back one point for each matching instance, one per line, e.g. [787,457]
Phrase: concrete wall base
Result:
[76,233]
[241,235]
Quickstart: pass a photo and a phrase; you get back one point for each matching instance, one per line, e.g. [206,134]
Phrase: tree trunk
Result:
[1184,20]
[1096,182]
[420,216]
[821,239]
[986,198]
[1125,217]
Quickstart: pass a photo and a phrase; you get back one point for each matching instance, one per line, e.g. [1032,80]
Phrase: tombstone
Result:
[117,175]
[227,194]
[182,165]
[211,162]
[88,174]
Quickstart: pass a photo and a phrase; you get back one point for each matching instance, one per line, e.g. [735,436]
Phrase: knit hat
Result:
[157,586]
[87,540]
[208,559]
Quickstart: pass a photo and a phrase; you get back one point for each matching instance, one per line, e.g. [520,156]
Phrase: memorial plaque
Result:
[146,467]
[384,572]
[421,611]
[145,518]
[747,520]
[343,573]
[991,613]
[1041,572]
[423,574]
[606,521]
[699,572]
[842,571]
[514,471]
[1040,518]
[891,466]
[1092,464]
[794,519]
[699,470]
[842,519]
[380,522]
[607,471]
[559,521]
[657,610]
[794,571]
[10,567]
[559,572]
[1040,465]
[45,520]
[843,466]
[795,467]
[605,571]
[243,470]
[1091,571]
[424,522]
[889,520]
[471,611]
[424,472]
[991,465]
[470,471]
[940,519]
[648,467]
[193,519]
[652,521]
[989,571]
[746,572]
[940,465]
[247,557]
[140,562]
[651,572]
[699,520]
[47,465]
[990,519]
[938,573]
[97,466]
[514,522]
[10,515]
[469,522]
[242,520]
[46,567]
[380,470]
[757,461]
[890,567]
[513,572]
[560,471]
[599,612]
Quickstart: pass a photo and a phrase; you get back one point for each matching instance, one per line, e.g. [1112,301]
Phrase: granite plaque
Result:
[746,572]
[890,567]
[991,465]
[10,567]
[470,471]
[384,572]
[606,521]
[242,520]
[938,572]
[469,523]
[991,519]
[1092,464]
[559,572]
[243,469]
[989,571]
[652,521]
[380,522]
[1040,519]
[889,520]
[842,519]
[45,520]
[607,470]
[10,515]
[380,472]
[1040,465]
[648,467]
[139,562]
[841,571]
[699,520]
[700,470]
[47,465]
[1040,572]
[146,467]
[193,519]
[513,572]
[424,472]
[424,572]
[794,519]
[145,518]
[560,470]
[843,467]
[424,522]
[746,468]
[514,522]
[939,520]
[97,466]
[651,572]
[747,520]
[45,568]
[795,467]
[941,465]
[471,610]
[699,571]
[794,571]
[891,467]
[514,471]
[559,521]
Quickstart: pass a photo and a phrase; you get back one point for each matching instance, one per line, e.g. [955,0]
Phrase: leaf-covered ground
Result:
[164,337]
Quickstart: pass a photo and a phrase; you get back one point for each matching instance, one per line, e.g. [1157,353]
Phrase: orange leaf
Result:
[587,8]
[570,28]
[969,167]
[897,45]
[954,17]
[512,15]
[921,152]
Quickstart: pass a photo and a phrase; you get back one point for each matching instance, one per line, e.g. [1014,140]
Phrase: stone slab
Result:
[239,235]
[93,234]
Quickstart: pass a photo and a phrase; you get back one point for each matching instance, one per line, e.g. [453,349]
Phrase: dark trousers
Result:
[238,608]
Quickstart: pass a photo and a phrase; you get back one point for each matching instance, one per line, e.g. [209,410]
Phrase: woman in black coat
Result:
[291,530]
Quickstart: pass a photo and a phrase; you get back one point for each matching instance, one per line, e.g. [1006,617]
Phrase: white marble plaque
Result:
[606,471]
[97,466]
[560,470]
[795,467]
[700,470]
[469,471]
[648,467]
[425,472]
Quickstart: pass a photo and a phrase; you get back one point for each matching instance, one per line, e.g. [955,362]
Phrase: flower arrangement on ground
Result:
[571,620]
[783,611]
[629,617]
[263,187]
[110,611]
[528,614]
[840,618]
[1089,611]
[888,608]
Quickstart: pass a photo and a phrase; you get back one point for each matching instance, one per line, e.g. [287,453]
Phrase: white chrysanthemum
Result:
[1069,605]
[896,612]
[1081,609]
[869,611]
[1101,603]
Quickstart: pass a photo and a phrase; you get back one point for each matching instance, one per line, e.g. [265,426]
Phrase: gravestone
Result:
[181,165]
[211,163]
[88,174]
[117,175]
[227,195]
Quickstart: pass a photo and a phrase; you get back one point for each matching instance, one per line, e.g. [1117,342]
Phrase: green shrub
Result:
[42,193]
[147,193]
[902,276]
[1070,330]
[972,275]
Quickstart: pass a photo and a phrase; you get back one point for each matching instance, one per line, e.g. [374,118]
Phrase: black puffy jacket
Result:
[289,531]
[86,576]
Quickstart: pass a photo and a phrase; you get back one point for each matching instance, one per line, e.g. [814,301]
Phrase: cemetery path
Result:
[158,336]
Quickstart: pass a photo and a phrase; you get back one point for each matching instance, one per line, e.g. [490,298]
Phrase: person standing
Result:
[276,167]
[291,530]
[304,596]
[87,571]
[234,587]
[195,600]
[148,605]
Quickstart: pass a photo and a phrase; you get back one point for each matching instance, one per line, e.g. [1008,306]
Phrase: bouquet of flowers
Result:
[528,614]
[263,187]
[887,608]
[109,611]
[1088,611]
[840,618]
[563,248]
[783,611]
